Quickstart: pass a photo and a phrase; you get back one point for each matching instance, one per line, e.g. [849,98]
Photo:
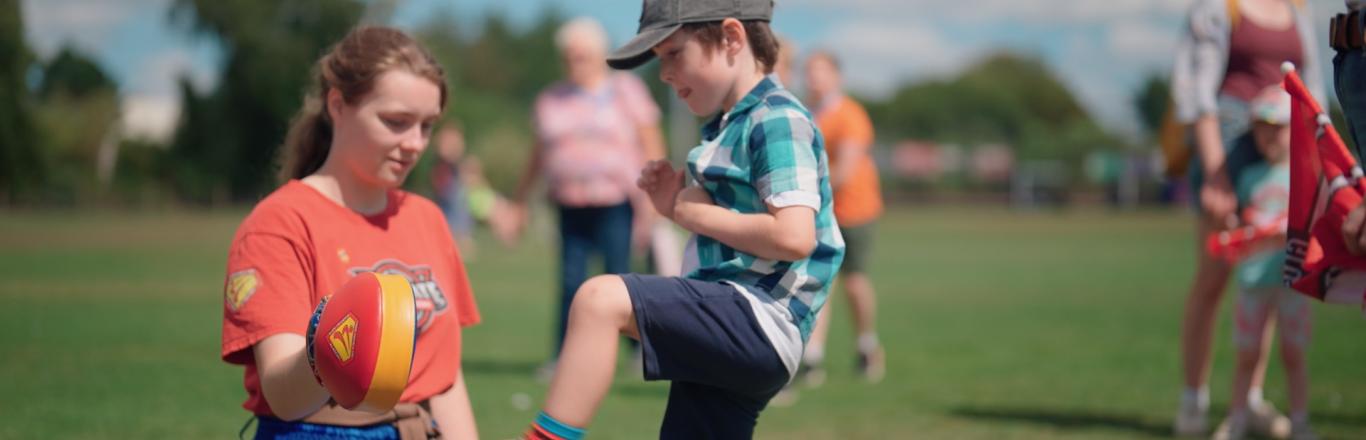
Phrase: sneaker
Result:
[872,365]
[1228,430]
[1191,422]
[810,376]
[1266,421]
[1302,432]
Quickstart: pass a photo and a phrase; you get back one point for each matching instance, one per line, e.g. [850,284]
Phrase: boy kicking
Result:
[756,195]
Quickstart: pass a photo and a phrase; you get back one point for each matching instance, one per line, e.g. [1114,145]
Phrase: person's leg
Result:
[1197,332]
[697,411]
[811,370]
[1250,331]
[862,302]
[600,314]
[1295,322]
[691,331]
[576,242]
[1265,416]
[613,237]
[1202,303]
[814,355]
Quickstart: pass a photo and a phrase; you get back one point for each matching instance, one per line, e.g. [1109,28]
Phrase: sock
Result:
[1254,398]
[1196,398]
[813,355]
[867,342]
[547,428]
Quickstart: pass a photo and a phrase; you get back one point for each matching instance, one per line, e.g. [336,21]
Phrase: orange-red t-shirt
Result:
[844,123]
[298,246]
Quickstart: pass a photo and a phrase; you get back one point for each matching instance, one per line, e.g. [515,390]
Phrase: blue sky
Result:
[1100,48]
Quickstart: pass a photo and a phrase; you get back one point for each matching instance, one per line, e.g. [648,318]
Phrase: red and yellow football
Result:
[361,340]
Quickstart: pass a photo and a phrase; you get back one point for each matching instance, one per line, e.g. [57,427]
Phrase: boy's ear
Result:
[733,37]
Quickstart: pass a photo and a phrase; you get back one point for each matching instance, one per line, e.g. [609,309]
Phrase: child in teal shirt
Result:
[1263,191]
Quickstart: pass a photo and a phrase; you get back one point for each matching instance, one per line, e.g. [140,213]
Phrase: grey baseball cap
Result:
[661,18]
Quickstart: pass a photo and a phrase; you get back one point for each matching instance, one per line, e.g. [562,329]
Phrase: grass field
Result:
[997,325]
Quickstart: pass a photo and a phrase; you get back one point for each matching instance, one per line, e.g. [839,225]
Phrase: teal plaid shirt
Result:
[767,150]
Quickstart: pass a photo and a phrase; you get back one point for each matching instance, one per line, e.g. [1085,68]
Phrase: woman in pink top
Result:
[594,133]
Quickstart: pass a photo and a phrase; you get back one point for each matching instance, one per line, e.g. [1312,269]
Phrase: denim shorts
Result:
[1235,127]
[1350,86]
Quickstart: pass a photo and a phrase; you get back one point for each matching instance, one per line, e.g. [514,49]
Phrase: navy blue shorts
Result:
[704,337]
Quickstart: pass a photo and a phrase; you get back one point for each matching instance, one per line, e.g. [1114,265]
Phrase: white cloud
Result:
[1016,11]
[149,117]
[147,63]
[1142,41]
[87,24]
[880,56]
[162,73]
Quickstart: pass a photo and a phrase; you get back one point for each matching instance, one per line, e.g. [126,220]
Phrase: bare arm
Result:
[453,412]
[784,234]
[1216,195]
[529,174]
[1209,143]
[849,155]
[652,141]
[286,380]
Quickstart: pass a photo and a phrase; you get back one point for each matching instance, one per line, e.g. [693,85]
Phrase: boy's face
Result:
[1273,140]
[821,76]
[698,75]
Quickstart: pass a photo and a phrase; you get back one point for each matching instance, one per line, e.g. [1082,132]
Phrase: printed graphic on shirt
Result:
[342,338]
[241,285]
[427,293]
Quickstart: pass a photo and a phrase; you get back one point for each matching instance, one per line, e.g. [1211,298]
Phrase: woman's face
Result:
[583,63]
[380,138]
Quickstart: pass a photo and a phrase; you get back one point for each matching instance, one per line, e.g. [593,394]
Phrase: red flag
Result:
[1325,184]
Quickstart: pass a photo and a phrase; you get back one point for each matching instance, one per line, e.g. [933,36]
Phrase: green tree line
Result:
[225,144]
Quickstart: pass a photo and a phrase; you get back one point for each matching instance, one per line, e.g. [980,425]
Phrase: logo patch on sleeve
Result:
[343,338]
[240,286]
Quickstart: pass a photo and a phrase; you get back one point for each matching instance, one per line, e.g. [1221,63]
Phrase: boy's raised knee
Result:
[603,297]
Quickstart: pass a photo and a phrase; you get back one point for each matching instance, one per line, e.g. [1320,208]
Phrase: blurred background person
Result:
[858,204]
[450,190]
[465,194]
[1264,305]
[1229,51]
[594,132]
[782,67]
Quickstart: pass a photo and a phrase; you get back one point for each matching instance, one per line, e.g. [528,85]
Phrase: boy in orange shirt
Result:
[858,204]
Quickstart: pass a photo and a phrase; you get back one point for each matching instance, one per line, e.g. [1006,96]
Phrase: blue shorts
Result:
[1240,151]
[704,337]
[1348,68]
[270,428]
